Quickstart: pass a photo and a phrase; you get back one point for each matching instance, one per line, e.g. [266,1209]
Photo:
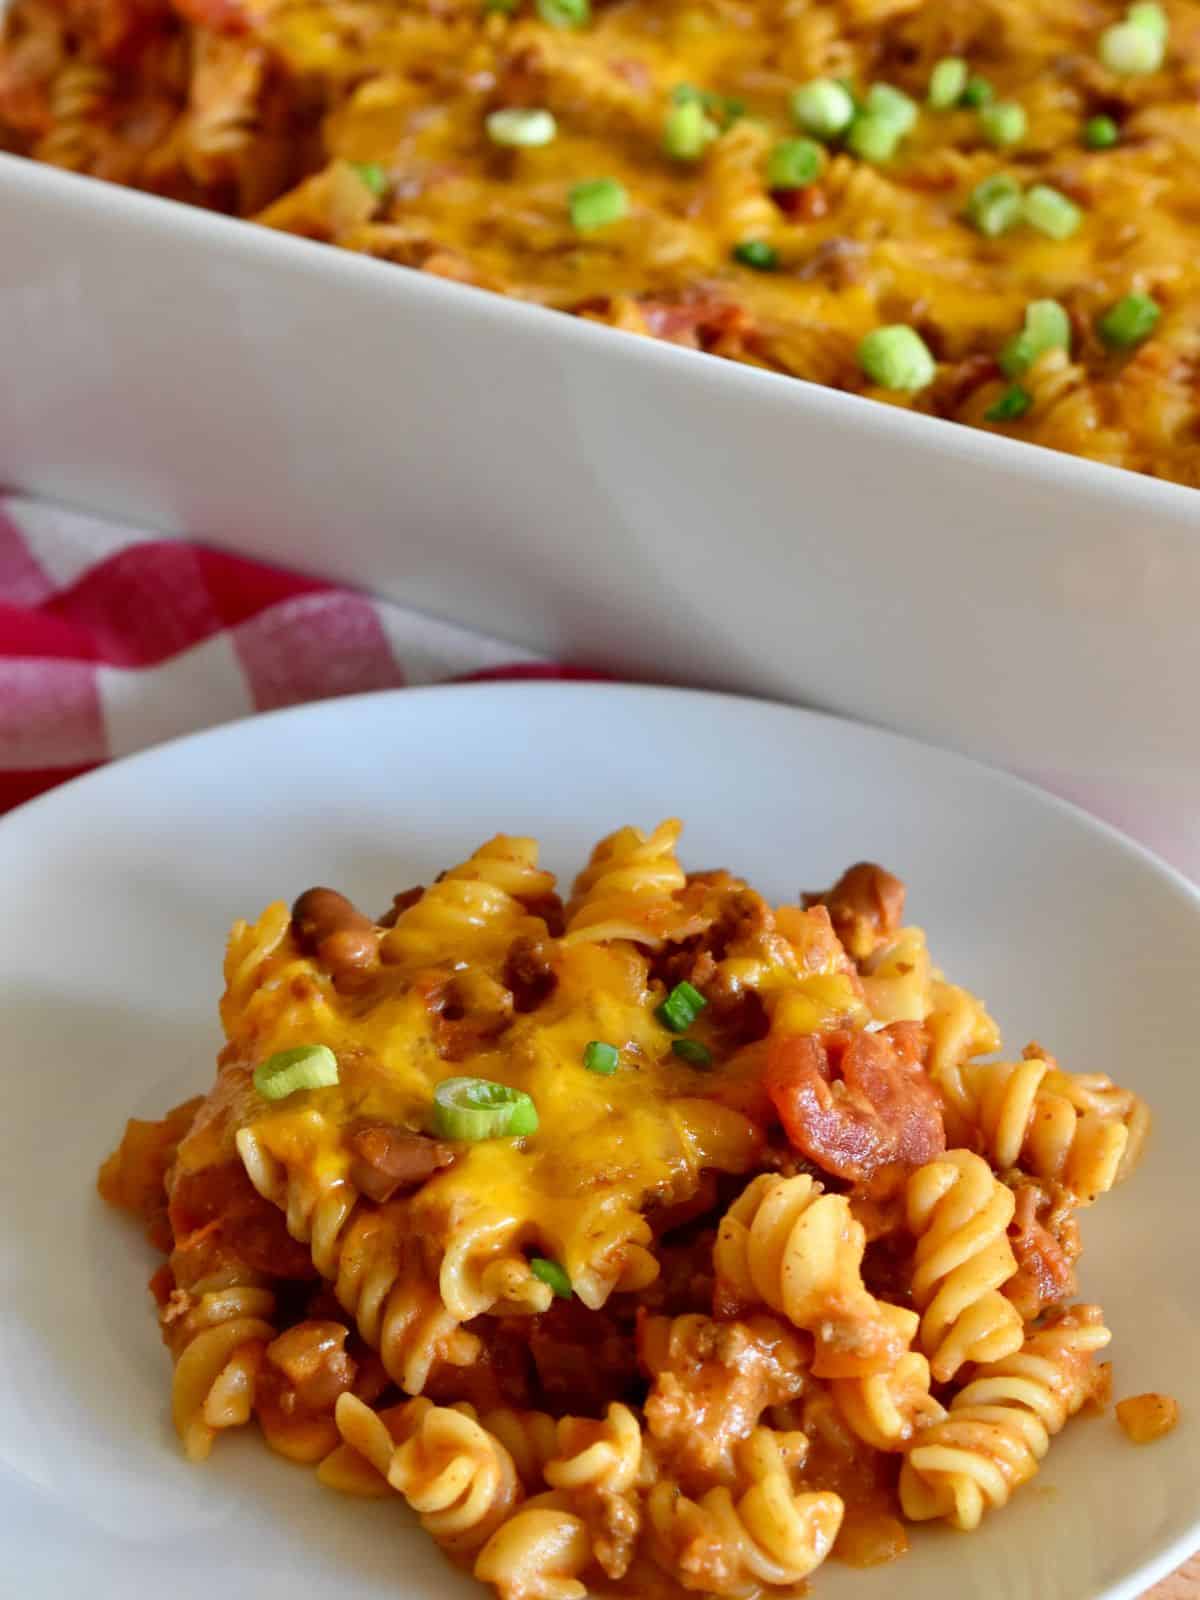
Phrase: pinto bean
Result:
[866,905]
[333,929]
[390,1160]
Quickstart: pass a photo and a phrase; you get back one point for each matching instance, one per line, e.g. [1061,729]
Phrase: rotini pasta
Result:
[218,1337]
[786,1245]
[959,1212]
[1000,1425]
[768,1536]
[1072,1128]
[622,1242]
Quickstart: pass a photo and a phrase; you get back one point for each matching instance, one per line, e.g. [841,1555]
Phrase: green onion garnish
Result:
[688,131]
[596,203]
[504,8]
[1050,212]
[1002,123]
[308,1066]
[823,108]
[897,357]
[794,164]
[1047,327]
[892,105]
[1100,133]
[947,82]
[873,139]
[1131,49]
[564,13]
[551,1273]
[1013,403]
[681,1008]
[600,1057]
[1131,320]
[724,107]
[1150,17]
[373,175]
[693,1052]
[476,1108]
[977,93]
[994,205]
[518,127]
[756,253]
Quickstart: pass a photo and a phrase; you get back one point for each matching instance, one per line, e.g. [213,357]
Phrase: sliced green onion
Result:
[1100,133]
[756,253]
[947,82]
[504,8]
[873,139]
[693,1052]
[681,1008]
[1131,51]
[794,164]
[1047,327]
[1013,403]
[977,93]
[1130,321]
[519,128]
[564,13]
[551,1273]
[1050,212]
[373,175]
[892,105]
[308,1066]
[596,203]
[1003,123]
[477,1108]
[994,205]
[823,108]
[688,131]
[723,107]
[600,1057]
[897,357]
[1151,18]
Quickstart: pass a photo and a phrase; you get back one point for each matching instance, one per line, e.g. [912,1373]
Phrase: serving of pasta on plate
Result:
[660,1240]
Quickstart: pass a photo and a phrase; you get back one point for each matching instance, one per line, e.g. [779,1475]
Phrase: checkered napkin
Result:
[111,640]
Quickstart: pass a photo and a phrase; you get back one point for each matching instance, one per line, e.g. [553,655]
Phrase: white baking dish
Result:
[594,494]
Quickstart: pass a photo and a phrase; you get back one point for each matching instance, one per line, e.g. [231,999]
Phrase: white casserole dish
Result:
[626,503]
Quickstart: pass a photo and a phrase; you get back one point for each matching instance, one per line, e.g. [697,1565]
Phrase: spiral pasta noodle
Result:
[629,889]
[538,1554]
[373,1263]
[457,1477]
[474,909]
[531,1439]
[786,1245]
[1071,1128]
[999,1426]
[888,1408]
[959,1213]
[767,1536]
[218,1347]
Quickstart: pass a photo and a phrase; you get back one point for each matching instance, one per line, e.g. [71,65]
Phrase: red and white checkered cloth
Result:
[111,640]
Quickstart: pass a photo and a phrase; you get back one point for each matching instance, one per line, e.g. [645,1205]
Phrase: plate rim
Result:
[568,687]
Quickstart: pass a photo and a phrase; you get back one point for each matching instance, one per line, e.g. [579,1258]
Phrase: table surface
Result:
[1181,1585]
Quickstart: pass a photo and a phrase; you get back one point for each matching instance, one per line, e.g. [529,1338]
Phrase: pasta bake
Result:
[981,209]
[663,1240]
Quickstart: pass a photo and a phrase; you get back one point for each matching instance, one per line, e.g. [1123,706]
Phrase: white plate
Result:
[117,894]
